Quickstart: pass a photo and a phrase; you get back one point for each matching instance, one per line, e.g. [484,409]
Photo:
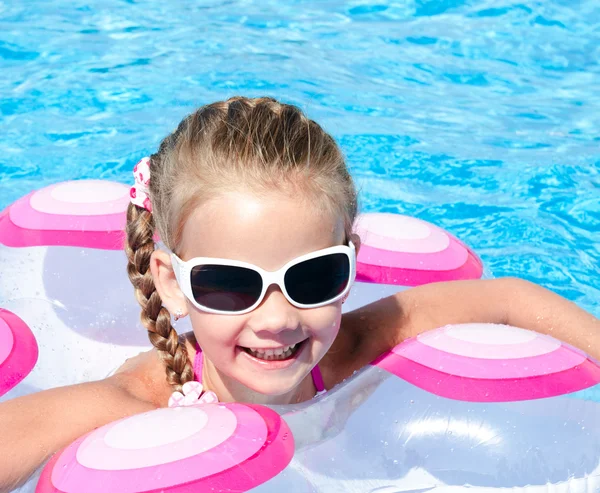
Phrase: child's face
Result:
[267,231]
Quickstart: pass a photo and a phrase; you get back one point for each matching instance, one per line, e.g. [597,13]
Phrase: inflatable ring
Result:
[463,407]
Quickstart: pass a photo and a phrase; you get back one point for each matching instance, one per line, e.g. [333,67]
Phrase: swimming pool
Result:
[481,117]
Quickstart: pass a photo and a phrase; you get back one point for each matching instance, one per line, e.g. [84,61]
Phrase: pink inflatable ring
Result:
[490,363]
[85,213]
[18,350]
[207,447]
[406,251]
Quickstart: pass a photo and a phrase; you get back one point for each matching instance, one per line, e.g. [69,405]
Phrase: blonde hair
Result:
[259,144]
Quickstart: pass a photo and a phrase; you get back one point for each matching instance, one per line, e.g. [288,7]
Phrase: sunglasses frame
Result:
[183,270]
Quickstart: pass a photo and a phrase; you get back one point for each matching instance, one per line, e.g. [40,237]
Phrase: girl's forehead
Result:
[266,230]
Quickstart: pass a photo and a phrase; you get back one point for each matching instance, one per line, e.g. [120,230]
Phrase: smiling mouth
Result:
[279,354]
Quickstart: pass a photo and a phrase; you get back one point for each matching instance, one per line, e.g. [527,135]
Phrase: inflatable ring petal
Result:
[406,251]
[490,363]
[18,350]
[85,213]
[209,447]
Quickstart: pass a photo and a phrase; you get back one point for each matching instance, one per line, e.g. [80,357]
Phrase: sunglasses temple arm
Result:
[176,265]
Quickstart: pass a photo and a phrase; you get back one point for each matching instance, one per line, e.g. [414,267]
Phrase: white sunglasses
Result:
[229,287]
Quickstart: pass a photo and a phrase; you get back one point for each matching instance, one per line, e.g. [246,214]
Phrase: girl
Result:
[256,205]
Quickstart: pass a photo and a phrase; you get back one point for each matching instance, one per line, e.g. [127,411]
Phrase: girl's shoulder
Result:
[144,375]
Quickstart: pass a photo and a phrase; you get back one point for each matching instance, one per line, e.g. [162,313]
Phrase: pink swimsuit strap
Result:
[199,360]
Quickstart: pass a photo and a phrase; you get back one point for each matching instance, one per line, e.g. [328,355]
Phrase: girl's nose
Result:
[275,314]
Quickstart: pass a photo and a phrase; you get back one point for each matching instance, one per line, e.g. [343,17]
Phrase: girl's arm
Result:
[34,427]
[511,301]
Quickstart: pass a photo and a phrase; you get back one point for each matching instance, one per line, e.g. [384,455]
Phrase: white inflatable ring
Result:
[464,408]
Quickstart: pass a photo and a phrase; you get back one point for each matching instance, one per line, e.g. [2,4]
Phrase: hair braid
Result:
[155,317]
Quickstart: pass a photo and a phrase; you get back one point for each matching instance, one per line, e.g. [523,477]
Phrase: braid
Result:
[156,318]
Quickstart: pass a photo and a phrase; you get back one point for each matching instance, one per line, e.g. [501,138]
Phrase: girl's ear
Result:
[166,283]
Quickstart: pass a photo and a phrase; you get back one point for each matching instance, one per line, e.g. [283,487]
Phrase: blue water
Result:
[480,116]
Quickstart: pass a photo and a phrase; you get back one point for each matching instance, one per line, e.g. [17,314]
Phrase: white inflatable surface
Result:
[465,408]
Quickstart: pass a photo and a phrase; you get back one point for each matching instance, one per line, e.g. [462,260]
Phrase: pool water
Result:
[480,116]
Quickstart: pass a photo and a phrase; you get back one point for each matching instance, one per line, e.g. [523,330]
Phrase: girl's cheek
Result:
[328,322]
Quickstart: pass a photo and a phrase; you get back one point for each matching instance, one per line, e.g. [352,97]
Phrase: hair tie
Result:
[139,192]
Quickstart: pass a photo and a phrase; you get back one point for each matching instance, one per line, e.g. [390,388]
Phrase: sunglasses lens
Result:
[225,287]
[319,279]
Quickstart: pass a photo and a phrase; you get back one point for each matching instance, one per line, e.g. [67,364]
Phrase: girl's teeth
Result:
[273,354]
